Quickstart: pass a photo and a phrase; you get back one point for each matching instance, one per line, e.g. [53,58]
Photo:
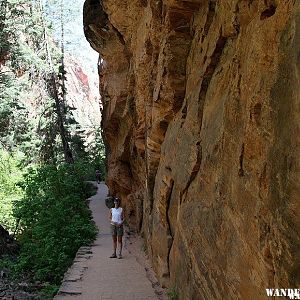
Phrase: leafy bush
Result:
[10,174]
[55,220]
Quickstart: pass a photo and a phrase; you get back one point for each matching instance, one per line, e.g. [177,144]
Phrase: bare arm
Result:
[110,218]
[122,217]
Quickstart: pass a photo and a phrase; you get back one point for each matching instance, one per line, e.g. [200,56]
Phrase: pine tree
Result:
[30,60]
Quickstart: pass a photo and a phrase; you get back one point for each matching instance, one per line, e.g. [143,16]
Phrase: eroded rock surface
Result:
[201,120]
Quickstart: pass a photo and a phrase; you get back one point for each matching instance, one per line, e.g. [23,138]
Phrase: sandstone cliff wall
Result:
[202,120]
[82,94]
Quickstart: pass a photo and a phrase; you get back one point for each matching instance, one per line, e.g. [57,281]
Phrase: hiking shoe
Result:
[114,255]
[120,256]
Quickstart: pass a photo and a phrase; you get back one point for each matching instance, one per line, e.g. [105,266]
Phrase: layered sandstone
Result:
[201,119]
[82,96]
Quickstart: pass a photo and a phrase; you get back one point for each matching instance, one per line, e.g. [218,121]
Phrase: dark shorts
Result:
[116,230]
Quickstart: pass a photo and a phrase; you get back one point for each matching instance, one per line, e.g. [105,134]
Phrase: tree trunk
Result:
[3,7]
[59,105]
[60,116]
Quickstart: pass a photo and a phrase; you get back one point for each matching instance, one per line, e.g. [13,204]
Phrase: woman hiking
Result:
[116,217]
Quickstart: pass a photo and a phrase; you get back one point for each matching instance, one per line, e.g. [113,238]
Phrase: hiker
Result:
[116,217]
[98,176]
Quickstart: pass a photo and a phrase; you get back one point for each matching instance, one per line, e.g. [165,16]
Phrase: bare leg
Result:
[120,242]
[114,237]
[115,243]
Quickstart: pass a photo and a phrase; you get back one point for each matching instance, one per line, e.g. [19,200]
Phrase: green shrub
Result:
[55,221]
[91,189]
[172,294]
[10,174]
[49,290]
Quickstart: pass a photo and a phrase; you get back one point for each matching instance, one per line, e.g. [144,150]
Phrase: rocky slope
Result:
[201,120]
[82,94]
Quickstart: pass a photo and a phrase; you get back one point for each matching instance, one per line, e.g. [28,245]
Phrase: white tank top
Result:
[116,215]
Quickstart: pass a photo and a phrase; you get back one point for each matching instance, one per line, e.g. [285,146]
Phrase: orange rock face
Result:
[202,122]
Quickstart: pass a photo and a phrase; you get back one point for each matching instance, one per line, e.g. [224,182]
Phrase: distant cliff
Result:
[201,118]
[82,94]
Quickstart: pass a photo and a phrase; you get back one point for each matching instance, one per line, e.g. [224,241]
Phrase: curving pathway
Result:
[95,276]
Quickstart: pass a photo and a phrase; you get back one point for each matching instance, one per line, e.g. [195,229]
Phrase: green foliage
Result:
[49,200]
[29,57]
[97,153]
[50,290]
[55,220]
[10,174]
[15,128]
[91,189]
[172,293]
[28,53]
[22,77]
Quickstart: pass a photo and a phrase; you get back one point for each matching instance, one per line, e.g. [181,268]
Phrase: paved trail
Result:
[95,276]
